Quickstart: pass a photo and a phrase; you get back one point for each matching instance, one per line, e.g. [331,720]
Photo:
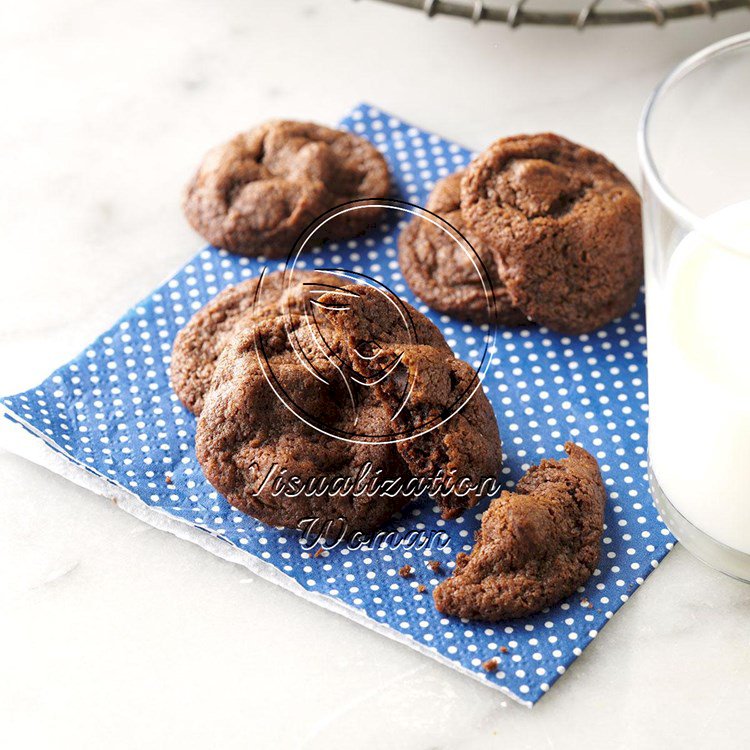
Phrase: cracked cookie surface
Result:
[564,225]
[201,341]
[256,194]
[536,545]
[349,167]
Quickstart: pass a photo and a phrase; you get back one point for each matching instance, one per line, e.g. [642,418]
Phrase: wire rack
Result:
[522,12]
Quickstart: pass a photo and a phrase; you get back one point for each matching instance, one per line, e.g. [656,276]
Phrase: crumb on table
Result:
[434,566]
[421,588]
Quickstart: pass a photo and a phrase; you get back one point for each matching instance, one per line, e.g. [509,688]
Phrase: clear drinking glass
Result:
[694,144]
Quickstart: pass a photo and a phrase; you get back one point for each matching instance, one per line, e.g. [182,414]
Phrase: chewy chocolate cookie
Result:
[199,344]
[257,193]
[536,545]
[358,381]
[563,223]
[448,276]
[440,417]
[250,432]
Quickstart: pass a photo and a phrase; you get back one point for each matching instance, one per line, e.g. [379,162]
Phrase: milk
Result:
[699,376]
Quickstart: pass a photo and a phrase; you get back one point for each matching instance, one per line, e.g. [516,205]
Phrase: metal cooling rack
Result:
[522,12]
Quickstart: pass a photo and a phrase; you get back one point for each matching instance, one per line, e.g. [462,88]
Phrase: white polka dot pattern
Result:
[112,411]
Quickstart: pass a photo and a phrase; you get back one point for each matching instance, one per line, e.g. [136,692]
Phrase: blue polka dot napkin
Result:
[109,419]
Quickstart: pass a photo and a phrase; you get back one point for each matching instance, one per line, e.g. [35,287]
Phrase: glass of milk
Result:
[694,143]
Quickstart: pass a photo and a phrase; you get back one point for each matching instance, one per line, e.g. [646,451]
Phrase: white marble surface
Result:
[116,635]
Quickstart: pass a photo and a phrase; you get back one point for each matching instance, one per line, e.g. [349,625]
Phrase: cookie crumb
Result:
[503,650]
[586,603]
[406,572]
[461,559]
[490,665]
[168,478]
[421,588]
[318,552]
[434,566]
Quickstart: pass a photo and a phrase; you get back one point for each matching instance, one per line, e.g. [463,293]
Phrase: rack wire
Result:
[520,12]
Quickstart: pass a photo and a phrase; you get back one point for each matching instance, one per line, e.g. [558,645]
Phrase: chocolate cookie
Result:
[536,545]
[564,223]
[440,417]
[310,396]
[199,344]
[257,193]
[249,433]
[447,275]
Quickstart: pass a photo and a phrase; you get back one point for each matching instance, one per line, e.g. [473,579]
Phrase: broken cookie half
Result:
[536,545]
[442,423]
